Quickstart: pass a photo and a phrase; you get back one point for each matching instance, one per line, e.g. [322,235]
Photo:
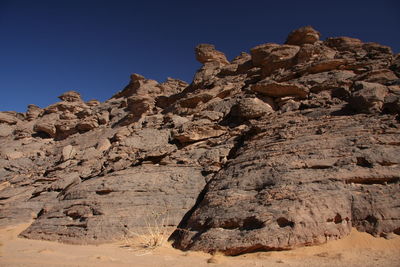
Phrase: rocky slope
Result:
[290,145]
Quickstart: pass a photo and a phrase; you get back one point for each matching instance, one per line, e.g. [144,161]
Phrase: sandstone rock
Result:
[118,204]
[93,103]
[12,155]
[271,57]
[395,66]
[275,89]
[251,108]
[103,145]
[238,162]
[326,65]
[8,118]
[68,152]
[266,198]
[303,35]
[33,112]
[344,43]
[104,117]
[140,86]
[197,130]
[87,124]
[70,96]
[207,53]
[368,97]
[314,52]
[331,80]
[381,76]
[45,127]
[5,130]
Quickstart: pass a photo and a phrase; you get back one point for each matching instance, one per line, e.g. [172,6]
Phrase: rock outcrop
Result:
[286,146]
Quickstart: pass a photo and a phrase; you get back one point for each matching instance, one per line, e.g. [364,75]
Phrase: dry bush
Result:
[154,234]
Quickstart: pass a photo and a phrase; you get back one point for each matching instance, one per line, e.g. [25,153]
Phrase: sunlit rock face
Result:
[288,145]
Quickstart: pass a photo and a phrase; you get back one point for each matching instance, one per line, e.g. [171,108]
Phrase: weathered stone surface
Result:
[207,53]
[197,130]
[368,97]
[344,43]
[8,118]
[270,151]
[278,192]
[251,108]
[275,89]
[71,96]
[303,35]
[33,112]
[271,57]
[107,208]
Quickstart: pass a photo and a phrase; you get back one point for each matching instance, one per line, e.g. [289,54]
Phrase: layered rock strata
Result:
[286,146]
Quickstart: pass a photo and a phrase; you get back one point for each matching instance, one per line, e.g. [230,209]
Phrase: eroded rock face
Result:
[290,145]
[108,207]
[207,53]
[279,192]
[303,35]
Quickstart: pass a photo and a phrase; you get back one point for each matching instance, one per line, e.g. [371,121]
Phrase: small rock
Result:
[68,153]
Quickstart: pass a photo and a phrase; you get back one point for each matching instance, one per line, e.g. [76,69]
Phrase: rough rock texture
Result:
[303,35]
[290,145]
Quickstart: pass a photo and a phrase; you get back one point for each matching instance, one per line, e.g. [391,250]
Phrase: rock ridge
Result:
[288,145]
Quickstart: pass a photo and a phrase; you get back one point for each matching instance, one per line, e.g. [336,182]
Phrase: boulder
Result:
[207,53]
[71,96]
[271,57]
[251,108]
[8,118]
[274,89]
[33,112]
[367,97]
[303,35]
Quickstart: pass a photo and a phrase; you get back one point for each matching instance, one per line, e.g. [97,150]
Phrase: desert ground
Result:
[357,249]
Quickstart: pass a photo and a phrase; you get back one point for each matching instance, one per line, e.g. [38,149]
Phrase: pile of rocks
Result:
[287,146]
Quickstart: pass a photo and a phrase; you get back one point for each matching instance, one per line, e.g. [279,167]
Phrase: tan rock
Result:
[45,127]
[5,130]
[275,89]
[197,130]
[303,35]
[271,57]
[68,152]
[104,117]
[71,96]
[103,145]
[33,112]
[12,155]
[87,124]
[368,97]
[207,53]
[251,108]
[8,118]
[344,43]
[326,65]
[93,103]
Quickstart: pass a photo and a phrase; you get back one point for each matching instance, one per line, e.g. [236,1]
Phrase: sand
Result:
[358,249]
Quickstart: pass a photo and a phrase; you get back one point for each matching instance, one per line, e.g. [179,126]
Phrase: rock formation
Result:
[290,145]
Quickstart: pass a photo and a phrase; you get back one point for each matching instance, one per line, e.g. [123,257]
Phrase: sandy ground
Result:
[358,249]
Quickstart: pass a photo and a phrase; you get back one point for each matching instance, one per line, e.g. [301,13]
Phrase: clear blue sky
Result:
[49,47]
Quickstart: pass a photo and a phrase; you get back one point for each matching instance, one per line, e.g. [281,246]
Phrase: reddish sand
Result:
[358,249]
